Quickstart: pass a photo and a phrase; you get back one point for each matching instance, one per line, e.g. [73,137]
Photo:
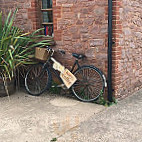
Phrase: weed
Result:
[102,101]
[54,89]
[53,140]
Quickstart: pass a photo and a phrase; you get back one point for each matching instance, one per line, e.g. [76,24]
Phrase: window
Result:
[47,17]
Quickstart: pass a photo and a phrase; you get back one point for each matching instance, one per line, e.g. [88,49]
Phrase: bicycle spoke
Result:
[91,83]
[37,80]
[91,92]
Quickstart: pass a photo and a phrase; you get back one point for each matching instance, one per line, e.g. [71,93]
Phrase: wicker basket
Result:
[41,53]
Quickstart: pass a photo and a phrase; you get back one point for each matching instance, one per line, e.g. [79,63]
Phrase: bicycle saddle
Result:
[78,56]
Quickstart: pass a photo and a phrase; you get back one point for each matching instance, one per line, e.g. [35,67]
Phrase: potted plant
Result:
[16,49]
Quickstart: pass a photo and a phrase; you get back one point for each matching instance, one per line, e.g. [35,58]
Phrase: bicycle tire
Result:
[37,80]
[89,85]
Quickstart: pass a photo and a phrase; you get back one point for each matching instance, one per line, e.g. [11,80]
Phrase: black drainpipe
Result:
[109,77]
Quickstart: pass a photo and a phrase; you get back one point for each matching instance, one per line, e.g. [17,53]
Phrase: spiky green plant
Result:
[16,47]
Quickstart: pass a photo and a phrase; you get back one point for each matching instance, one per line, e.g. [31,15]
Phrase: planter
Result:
[10,85]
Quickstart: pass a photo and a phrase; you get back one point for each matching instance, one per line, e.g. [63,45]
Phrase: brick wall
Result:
[117,47]
[127,52]
[28,16]
[81,26]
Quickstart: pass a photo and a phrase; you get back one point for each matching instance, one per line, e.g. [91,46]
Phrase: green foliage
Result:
[16,47]
[53,140]
[54,89]
[102,101]
[114,101]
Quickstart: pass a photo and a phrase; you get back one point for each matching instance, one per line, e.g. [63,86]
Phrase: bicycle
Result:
[88,85]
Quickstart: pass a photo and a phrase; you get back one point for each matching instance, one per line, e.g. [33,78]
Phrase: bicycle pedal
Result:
[61,85]
[64,88]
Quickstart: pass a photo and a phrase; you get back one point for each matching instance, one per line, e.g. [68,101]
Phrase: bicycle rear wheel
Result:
[37,80]
[89,85]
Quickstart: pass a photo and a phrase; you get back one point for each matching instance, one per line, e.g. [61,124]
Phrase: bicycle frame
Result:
[75,63]
[50,66]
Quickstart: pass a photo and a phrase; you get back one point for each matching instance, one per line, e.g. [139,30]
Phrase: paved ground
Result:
[118,123]
[25,118]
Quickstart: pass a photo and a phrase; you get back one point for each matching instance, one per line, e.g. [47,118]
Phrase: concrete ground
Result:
[25,118]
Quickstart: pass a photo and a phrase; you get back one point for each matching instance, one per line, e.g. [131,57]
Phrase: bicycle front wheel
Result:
[89,85]
[37,80]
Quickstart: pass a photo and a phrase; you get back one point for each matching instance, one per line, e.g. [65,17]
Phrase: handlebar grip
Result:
[49,48]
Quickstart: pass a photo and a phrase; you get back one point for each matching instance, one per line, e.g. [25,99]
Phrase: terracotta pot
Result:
[10,84]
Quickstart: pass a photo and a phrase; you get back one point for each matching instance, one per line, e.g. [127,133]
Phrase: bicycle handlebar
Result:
[50,50]
[61,51]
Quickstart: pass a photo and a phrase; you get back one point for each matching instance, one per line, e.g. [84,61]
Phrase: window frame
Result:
[46,10]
